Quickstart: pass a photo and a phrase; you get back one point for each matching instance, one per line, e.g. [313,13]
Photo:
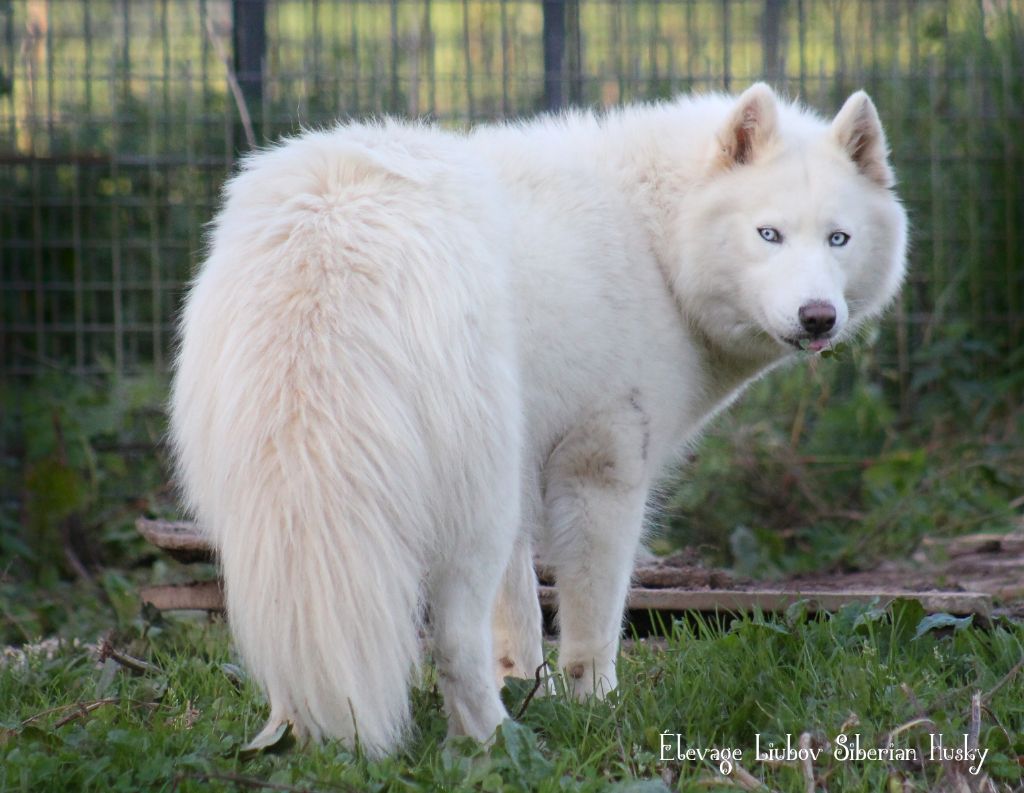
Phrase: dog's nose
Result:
[817,317]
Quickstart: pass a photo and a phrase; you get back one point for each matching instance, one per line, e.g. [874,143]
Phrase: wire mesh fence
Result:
[120,119]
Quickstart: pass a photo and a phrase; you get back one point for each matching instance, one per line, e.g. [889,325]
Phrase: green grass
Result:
[813,470]
[181,723]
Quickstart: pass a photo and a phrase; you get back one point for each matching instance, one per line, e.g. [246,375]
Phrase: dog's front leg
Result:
[596,489]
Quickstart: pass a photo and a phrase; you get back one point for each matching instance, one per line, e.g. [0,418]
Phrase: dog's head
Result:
[795,237]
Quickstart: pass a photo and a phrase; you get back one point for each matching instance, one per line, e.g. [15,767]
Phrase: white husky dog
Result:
[413,355]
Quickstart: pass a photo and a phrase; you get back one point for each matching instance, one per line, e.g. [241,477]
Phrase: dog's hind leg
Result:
[462,593]
[595,494]
[464,579]
[518,632]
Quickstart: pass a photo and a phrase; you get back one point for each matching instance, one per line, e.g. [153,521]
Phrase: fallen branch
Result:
[776,600]
[199,595]
[807,765]
[1014,670]
[533,691]
[236,89]
[83,709]
[61,708]
[128,662]
[974,731]
[239,780]
[745,780]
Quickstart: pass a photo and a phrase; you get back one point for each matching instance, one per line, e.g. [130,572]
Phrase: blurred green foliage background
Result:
[118,127]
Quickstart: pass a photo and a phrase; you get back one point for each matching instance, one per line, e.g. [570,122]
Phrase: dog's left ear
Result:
[858,132]
[751,127]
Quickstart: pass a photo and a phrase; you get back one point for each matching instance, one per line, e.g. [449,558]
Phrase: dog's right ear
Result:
[751,127]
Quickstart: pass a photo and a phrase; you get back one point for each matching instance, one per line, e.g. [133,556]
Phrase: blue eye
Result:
[838,239]
[768,234]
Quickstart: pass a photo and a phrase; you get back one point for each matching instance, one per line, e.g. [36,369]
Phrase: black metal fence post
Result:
[772,52]
[554,54]
[249,38]
[574,56]
[563,65]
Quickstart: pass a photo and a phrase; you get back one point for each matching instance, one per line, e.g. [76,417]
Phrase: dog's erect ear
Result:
[858,131]
[750,128]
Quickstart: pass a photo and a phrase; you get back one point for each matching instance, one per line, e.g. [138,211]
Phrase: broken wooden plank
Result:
[181,539]
[777,600]
[1003,590]
[666,573]
[197,595]
[980,543]
[668,585]
[209,596]
[184,541]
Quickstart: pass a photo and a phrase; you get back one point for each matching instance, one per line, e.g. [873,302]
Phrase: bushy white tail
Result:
[324,367]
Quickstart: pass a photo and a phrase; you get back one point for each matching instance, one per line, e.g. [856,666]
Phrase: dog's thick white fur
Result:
[413,356]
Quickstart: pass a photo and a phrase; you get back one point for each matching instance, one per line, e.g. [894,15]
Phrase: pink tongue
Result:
[817,345]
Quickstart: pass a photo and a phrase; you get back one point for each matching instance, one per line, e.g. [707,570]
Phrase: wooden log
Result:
[209,596]
[181,539]
[665,586]
[198,595]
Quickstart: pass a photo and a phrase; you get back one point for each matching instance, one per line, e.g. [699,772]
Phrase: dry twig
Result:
[1014,670]
[239,780]
[128,662]
[806,764]
[236,89]
[539,681]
